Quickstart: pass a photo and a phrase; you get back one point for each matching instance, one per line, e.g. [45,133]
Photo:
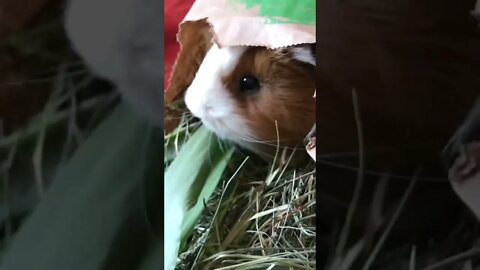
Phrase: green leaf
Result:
[207,186]
[191,179]
[97,214]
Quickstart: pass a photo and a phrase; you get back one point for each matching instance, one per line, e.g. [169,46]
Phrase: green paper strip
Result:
[283,11]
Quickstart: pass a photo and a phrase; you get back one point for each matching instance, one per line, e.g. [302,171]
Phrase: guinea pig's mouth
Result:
[240,133]
[217,126]
[227,129]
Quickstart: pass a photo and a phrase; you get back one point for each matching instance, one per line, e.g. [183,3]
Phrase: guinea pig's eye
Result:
[249,83]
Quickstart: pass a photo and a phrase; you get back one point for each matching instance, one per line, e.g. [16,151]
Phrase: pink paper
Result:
[239,26]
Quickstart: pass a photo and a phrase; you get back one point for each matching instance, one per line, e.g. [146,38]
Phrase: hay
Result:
[264,216]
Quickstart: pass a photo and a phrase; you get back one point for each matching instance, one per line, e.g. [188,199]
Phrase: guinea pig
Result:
[259,98]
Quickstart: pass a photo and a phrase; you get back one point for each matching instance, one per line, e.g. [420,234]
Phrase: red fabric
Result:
[174,12]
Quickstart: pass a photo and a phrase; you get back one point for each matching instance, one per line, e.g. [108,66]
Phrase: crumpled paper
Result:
[464,176]
[464,151]
[311,146]
[271,24]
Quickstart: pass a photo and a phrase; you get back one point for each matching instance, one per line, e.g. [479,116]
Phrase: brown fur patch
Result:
[195,39]
[285,100]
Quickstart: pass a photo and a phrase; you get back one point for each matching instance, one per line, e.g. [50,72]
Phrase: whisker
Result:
[179,116]
[268,143]
[185,114]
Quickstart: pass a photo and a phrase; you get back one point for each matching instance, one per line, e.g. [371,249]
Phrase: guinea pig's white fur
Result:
[208,99]
[303,54]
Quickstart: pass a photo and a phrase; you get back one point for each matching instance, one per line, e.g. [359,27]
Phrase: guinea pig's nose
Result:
[207,108]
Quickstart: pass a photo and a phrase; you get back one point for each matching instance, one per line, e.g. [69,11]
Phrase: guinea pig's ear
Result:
[195,39]
[304,53]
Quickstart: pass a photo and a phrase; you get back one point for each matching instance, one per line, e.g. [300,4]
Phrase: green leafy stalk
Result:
[190,180]
[97,212]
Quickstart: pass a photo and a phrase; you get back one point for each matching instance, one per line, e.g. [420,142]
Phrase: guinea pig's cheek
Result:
[192,102]
[234,127]
[215,108]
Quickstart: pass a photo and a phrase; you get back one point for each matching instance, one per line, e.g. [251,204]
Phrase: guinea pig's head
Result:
[256,97]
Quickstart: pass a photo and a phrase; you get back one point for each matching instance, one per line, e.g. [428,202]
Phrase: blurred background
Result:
[76,180]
